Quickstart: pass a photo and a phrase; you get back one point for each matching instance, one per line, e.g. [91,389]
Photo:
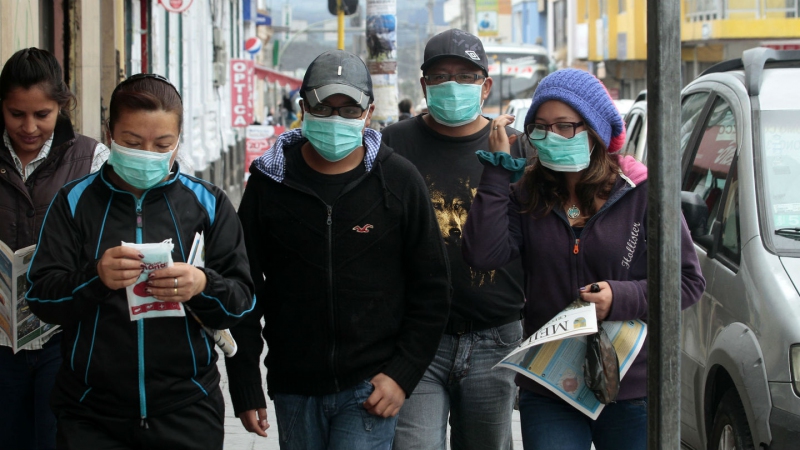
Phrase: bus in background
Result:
[516,71]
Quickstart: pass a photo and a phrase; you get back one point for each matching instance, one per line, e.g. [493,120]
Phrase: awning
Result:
[273,76]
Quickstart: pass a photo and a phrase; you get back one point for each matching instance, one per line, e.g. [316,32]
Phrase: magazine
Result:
[20,326]
[554,355]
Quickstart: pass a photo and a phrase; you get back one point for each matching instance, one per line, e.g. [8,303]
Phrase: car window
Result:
[633,127]
[780,168]
[710,166]
[690,112]
[731,239]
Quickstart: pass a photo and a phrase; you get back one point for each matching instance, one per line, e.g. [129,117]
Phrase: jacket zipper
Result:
[331,317]
[576,247]
[140,328]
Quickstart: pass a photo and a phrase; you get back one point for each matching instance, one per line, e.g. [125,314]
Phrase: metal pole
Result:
[663,224]
[340,22]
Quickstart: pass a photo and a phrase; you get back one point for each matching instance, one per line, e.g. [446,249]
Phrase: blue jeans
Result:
[549,423]
[334,421]
[26,380]
[461,383]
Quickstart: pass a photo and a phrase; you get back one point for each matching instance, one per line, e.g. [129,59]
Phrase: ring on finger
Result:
[175,291]
[495,127]
[176,282]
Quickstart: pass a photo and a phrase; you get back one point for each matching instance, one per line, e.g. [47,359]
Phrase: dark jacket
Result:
[611,248]
[349,290]
[152,366]
[23,204]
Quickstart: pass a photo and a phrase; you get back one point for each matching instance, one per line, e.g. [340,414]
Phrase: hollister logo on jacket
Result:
[630,246]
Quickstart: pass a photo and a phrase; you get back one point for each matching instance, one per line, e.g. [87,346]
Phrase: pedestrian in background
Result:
[405,109]
[484,324]
[40,153]
[350,271]
[577,218]
[153,382]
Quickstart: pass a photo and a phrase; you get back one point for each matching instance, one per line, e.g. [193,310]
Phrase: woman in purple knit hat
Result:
[577,218]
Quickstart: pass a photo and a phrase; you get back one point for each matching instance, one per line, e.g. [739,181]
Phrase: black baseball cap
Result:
[455,43]
[337,72]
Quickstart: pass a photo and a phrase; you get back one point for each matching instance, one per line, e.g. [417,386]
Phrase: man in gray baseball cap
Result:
[351,275]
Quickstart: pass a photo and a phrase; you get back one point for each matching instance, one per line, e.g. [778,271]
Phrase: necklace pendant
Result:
[573,212]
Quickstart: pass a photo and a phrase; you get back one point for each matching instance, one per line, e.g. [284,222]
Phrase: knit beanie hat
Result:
[587,95]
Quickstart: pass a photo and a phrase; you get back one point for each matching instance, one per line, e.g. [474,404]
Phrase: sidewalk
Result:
[237,438]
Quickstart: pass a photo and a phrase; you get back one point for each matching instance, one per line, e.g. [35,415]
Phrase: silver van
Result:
[740,147]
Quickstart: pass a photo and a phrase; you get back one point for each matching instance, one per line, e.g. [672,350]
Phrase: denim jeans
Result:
[461,383]
[549,423]
[334,421]
[26,380]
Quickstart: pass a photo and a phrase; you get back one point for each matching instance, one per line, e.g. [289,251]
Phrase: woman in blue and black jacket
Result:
[149,383]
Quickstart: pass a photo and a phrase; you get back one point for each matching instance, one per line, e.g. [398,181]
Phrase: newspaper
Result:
[554,355]
[20,326]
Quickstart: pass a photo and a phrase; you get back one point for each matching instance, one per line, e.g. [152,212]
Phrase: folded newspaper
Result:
[20,327]
[554,355]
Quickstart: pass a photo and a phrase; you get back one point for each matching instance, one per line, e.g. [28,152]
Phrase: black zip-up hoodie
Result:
[148,367]
[347,291]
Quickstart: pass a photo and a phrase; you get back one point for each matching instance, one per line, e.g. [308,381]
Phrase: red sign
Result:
[258,139]
[241,92]
[176,6]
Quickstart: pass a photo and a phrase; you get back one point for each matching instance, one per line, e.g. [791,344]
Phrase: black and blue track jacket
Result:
[148,367]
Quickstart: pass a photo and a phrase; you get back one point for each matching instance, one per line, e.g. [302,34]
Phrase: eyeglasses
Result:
[141,76]
[538,131]
[347,111]
[460,78]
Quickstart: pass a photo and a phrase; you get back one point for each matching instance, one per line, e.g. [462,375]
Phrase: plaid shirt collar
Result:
[273,163]
[26,171]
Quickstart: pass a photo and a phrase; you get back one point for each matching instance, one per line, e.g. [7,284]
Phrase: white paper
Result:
[142,305]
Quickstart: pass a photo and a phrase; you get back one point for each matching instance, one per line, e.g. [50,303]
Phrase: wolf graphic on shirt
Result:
[451,212]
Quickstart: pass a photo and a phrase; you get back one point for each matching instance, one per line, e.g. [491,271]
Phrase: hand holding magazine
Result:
[554,355]
[19,327]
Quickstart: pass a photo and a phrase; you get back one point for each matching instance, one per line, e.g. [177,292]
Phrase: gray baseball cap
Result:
[337,72]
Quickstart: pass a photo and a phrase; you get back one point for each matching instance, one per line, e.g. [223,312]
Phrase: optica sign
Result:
[242,71]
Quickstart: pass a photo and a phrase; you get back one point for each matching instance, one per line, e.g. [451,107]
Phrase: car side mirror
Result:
[695,212]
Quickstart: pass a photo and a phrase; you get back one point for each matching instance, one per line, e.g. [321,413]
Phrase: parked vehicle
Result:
[516,71]
[623,105]
[740,147]
[519,109]
[636,128]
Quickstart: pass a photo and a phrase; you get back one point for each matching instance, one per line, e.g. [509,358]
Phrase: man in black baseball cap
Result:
[352,280]
[484,322]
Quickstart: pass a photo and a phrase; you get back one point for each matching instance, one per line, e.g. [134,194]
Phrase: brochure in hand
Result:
[141,304]
[20,327]
[554,355]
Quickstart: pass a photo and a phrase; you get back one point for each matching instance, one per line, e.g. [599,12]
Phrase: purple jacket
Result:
[611,248]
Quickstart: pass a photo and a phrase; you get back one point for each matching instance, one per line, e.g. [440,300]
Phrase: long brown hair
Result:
[546,189]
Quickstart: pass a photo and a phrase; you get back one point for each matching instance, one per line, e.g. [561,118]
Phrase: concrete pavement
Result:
[237,438]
